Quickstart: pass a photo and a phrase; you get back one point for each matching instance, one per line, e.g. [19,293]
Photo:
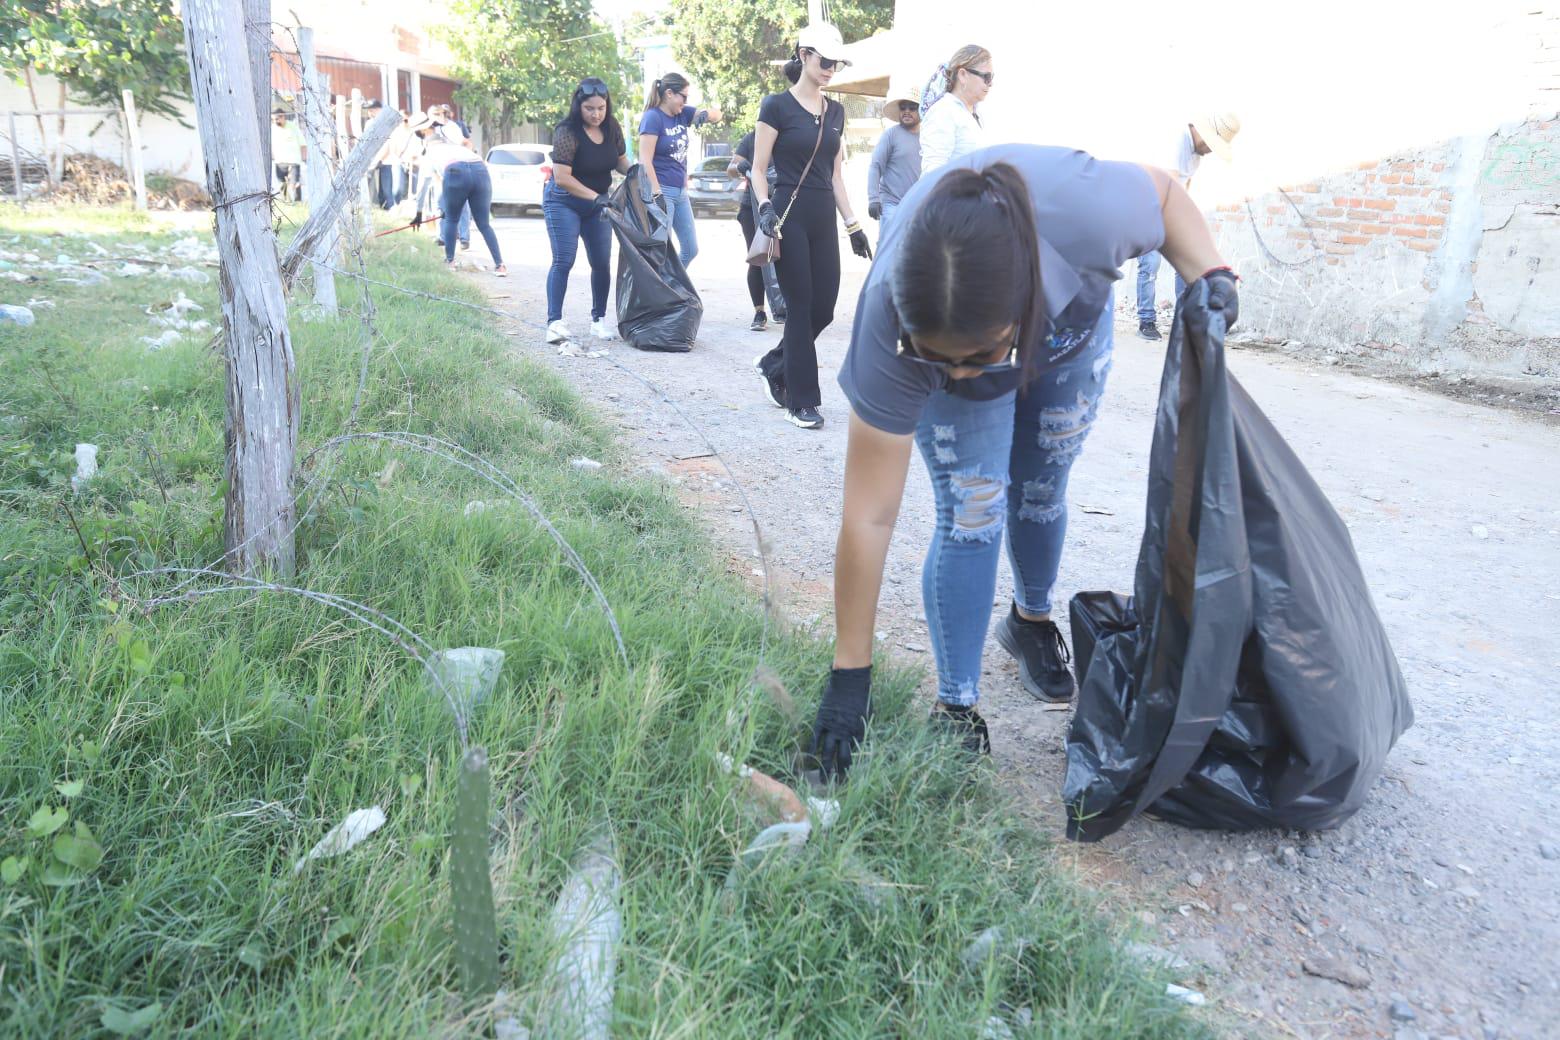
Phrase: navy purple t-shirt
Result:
[671,142]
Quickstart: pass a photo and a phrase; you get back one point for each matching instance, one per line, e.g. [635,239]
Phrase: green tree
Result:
[519,60]
[99,48]
[729,46]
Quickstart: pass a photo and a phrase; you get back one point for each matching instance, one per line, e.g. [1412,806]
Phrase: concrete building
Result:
[1394,187]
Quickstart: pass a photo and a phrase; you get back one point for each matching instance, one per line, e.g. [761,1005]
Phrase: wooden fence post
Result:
[261,429]
[314,118]
[133,132]
[257,35]
[16,158]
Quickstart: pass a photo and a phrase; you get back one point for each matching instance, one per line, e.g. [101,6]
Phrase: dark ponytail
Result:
[670,81]
[970,261]
[793,68]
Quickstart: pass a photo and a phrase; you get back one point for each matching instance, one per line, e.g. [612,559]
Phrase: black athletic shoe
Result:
[962,724]
[760,322]
[806,418]
[1148,330]
[1041,654]
[774,388]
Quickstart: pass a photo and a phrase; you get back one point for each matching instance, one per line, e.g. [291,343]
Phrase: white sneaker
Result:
[598,328]
[558,332]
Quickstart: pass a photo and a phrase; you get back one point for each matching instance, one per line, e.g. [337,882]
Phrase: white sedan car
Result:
[520,173]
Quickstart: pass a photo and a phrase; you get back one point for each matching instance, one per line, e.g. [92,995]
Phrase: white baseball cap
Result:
[824,39]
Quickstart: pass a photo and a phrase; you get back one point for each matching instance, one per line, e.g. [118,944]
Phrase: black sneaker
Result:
[774,388]
[806,418]
[1148,330]
[760,322]
[962,724]
[1041,654]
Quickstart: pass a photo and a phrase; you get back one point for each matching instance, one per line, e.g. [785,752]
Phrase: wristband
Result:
[852,228]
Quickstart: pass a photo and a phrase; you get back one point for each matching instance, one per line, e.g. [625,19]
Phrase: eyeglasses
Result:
[986,77]
[907,351]
[680,93]
[590,89]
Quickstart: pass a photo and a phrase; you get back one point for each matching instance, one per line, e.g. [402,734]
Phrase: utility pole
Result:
[261,424]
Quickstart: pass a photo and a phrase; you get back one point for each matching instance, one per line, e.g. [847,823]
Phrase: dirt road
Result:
[1434,911]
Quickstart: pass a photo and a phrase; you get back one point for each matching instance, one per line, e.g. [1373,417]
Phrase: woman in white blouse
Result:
[950,127]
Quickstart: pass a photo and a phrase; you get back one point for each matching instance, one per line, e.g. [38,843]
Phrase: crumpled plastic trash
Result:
[167,339]
[86,465]
[184,274]
[585,464]
[358,825]
[128,269]
[10,314]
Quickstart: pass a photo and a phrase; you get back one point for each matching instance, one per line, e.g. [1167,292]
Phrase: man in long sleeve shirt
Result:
[1209,135]
[896,162]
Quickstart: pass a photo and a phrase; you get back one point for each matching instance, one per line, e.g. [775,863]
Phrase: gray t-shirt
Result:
[1092,216]
[895,166]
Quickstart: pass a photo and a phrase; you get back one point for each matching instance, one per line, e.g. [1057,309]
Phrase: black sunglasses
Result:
[828,64]
[907,351]
[986,77]
[594,88]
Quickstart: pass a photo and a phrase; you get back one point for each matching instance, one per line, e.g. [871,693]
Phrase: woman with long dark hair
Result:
[983,338]
[587,146]
[663,154]
[802,133]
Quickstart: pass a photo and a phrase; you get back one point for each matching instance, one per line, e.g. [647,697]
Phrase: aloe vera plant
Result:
[471,884]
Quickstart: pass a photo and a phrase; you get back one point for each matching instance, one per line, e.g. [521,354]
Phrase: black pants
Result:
[809,271]
[755,275]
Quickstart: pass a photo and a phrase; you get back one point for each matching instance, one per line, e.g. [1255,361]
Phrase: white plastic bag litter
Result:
[358,825]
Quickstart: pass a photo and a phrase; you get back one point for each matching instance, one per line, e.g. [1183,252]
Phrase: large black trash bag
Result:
[1249,682]
[657,306]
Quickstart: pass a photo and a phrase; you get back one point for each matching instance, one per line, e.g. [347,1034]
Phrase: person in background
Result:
[381,179]
[465,180]
[287,155]
[983,338]
[663,154]
[587,146]
[394,157]
[1211,134]
[803,132]
[950,127]
[740,168]
[896,161]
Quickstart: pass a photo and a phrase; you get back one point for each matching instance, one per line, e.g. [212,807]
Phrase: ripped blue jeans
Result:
[1001,466]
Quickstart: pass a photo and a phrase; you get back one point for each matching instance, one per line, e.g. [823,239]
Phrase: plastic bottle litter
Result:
[585,464]
[86,465]
[11,314]
[167,339]
[467,673]
[359,824]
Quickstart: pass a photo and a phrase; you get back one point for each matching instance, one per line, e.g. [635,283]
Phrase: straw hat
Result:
[900,92]
[422,121]
[823,38]
[1219,131]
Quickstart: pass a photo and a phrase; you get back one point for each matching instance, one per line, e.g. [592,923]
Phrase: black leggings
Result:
[755,275]
[809,272]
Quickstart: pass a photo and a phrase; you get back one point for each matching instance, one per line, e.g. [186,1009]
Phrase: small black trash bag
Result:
[1248,683]
[657,306]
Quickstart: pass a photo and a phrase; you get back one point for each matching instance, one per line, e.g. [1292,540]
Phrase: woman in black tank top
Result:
[587,146]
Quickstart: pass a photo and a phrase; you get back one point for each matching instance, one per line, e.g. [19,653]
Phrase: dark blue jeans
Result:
[468,183]
[570,219]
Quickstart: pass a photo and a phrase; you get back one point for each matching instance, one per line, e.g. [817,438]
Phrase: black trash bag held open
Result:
[657,305]
[1249,682]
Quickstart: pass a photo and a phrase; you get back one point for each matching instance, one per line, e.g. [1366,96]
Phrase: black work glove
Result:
[768,219]
[659,200]
[875,209]
[842,719]
[859,244]
[601,203]
[417,220]
[742,165]
[1223,295]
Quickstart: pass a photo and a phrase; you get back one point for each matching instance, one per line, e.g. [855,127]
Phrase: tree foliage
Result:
[98,48]
[519,60]
[728,47]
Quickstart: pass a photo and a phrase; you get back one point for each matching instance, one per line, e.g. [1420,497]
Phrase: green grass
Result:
[216,741]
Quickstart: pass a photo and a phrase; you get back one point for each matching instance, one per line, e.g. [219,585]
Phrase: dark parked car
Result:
[710,191]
